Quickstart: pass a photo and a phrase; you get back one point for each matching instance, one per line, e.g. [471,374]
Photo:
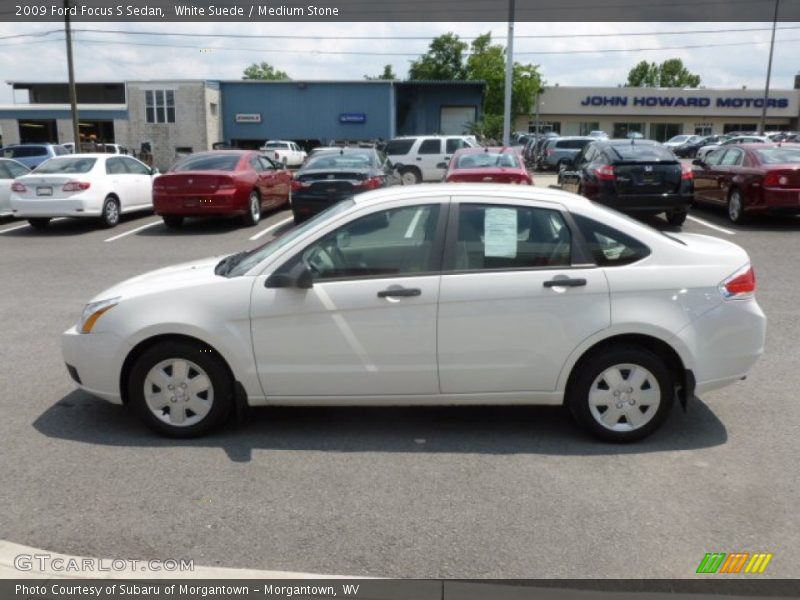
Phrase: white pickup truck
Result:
[284,152]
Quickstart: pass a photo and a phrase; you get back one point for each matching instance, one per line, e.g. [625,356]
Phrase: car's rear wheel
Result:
[622,394]
[253,215]
[109,217]
[181,389]
[410,176]
[172,221]
[676,218]
[39,222]
[736,207]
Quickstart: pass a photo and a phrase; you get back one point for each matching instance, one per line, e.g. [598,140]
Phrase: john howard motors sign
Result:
[690,101]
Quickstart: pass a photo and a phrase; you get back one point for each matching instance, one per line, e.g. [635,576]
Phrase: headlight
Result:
[93,311]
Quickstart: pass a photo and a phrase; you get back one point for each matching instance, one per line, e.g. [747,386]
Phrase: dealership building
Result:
[176,117]
[660,113]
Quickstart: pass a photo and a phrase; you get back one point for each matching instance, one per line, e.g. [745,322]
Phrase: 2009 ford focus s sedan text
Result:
[443,294]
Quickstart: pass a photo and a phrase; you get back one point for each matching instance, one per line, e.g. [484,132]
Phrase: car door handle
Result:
[419,158]
[564,283]
[399,293]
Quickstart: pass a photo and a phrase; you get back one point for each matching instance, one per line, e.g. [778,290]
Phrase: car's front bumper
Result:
[95,360]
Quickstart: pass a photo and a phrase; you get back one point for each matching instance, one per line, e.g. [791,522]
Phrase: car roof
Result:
[495,149]
[628,142]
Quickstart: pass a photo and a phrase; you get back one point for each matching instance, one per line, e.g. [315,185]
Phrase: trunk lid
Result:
[47,187]
[655,177]
[193,182]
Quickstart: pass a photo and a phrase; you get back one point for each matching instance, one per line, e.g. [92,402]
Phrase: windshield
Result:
[250,259]
[276,145]
[487,160]
[209,162]
[335,160]
[66,165]
[777,156]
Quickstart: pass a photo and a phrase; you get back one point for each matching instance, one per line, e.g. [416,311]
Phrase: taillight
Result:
[76,186]
[372,183]
[226,183]
[299,185]
[605,173]
[18,187]
[686,172]
[776,179]
[741,284]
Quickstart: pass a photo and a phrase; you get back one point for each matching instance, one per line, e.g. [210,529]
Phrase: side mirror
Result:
[298,276]
[441,165]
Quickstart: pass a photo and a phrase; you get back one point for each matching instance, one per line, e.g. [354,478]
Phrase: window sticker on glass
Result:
[500,233]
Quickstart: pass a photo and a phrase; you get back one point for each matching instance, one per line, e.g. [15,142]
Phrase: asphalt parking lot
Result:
[412,492]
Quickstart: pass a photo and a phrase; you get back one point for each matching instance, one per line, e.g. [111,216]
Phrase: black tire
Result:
[736,216]
[217,372]
[676,218]
[410,172]
[39,222]
[109,217]
[297,218]
[172,221]
[590,369]
[253,215]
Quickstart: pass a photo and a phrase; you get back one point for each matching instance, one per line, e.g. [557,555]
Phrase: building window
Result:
[703,129]
[212,108]
[586,128]
[621,130]
[665,131]
[739,127]
[159,106]
[545,126]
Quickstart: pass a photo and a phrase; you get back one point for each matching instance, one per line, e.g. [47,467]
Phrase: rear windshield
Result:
[487,160]
[398,146]
[351,160]
[70,164]
[571,143]
[24,151]
[644,152]
[276,145]
[777,156]
[213,162]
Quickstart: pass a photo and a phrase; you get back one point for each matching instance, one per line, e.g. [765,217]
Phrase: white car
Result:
[437,294]
[9,170]
[704,151]
[282,152]
[419,158]
[83,185]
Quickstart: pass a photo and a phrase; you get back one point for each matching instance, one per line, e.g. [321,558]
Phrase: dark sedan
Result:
[334,174]
[750,178]
[632,176]
[221,182]
[689,149]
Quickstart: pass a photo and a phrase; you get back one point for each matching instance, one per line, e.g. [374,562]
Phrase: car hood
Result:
[168,278]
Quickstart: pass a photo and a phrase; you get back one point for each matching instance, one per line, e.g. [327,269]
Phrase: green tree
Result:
[670,73]
[444,60]
[264,71]
[387,75]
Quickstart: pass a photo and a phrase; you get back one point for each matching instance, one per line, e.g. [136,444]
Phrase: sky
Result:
[739,60]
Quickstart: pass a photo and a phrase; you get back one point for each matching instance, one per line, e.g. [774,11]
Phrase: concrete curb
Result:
[9,552]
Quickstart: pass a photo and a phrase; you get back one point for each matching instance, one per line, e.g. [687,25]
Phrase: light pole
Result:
[509,76]
[73,96]
[769,70]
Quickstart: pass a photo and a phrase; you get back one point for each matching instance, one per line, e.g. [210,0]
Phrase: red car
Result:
[221,182]
[750,179]
[490,165]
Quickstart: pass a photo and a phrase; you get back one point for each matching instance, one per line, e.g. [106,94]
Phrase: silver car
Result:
[559,152]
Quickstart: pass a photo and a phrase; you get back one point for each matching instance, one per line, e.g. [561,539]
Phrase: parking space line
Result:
[270,228]
[122,235]
[711,225]
[28,225]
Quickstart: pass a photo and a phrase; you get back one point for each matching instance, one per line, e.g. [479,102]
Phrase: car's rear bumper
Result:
[777,201]
[189,205]
[56,207]
[645,202]
[308,205]
[93,361]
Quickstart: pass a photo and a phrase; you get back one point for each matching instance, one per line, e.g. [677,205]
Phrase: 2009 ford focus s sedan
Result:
[442,294]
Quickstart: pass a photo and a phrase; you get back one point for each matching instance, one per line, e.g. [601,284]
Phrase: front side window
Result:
[493,237]
[135,167]
[115,166]
[608,246]
[159,106]
[714,157]
[389,243]
[733,157]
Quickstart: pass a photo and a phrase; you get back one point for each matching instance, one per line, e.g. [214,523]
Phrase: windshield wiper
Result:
[226,264]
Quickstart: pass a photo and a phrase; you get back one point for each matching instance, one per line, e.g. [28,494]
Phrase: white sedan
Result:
[436,294]
[9,170]
[83,185]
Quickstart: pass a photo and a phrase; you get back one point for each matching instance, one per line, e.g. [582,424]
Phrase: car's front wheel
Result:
[622,394]
[181,389]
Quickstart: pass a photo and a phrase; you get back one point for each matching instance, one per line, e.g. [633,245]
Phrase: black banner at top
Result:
[216,11]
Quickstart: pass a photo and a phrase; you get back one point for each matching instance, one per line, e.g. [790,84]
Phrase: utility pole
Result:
[769,71]
[509,76]
[73,96]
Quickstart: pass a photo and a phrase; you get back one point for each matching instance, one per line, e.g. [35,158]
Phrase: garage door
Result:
[455,118]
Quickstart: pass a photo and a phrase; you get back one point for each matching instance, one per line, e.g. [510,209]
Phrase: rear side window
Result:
[572,144]
[610,247]
[24,151]
[398,147]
